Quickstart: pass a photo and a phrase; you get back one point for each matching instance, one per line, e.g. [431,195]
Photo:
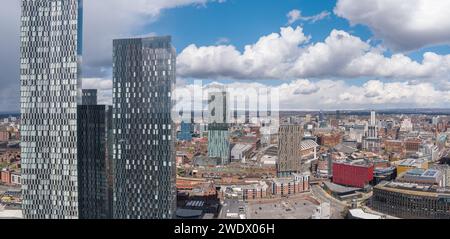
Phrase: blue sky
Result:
[363,54]
[244,21]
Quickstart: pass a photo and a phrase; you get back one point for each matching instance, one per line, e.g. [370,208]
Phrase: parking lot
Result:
[282,209]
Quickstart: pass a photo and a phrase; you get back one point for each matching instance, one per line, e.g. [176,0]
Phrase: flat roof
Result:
[339,188]
[414,189]
[411,162]
[11,214]
[359,213]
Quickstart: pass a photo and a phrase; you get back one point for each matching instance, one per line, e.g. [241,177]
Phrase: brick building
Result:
[394,146]
[412,145]
[329,139]
[297,183]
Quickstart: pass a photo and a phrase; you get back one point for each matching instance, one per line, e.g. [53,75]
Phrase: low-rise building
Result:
[297,183]
[255,191]
[356,173]
[308,150]
[241,152]
[422,176]
[409,164]
[411,201]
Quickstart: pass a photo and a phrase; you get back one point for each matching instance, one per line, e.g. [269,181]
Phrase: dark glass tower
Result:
[94,192]
[51,47]
[143,149]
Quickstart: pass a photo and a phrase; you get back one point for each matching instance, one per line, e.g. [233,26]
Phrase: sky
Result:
[322,54]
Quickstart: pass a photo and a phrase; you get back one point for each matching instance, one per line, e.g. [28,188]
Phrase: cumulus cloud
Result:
[270,57]
[287,55]
[296,15]
[103,86]
[305,87]
[105,20]
[335,94]
[401,24]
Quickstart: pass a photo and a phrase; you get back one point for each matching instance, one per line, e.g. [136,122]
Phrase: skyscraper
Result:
[143,149]
[218,135]
[371,141]
[94,161]
[89,97]
[51,47]
[289,145]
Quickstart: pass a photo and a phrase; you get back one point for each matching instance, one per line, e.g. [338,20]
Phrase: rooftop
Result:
[415,189]
[359,162]
[308,144]
[359,213]
[412,162]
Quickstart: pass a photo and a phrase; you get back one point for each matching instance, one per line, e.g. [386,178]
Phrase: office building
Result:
[50,75]
[357,173]
[289,150]
[143,149]
[371,142]
[94,192]
[185,133]
[411,201]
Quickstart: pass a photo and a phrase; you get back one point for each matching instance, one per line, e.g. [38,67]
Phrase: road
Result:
[232,206]
[337,206]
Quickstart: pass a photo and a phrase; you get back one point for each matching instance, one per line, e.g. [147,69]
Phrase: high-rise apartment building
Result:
[51,47]
[94,191]
[289,150]
[143,148]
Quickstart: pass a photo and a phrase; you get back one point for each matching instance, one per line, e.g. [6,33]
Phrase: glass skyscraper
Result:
[93,158]
[218,135]
[143,148]
[51,37]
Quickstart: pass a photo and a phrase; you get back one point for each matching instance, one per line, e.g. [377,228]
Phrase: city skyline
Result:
[377,68]
[328,110]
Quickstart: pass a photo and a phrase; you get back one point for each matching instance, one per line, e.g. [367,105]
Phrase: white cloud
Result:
[105,20]
[103,86]
[305,87]
[270,57]
[401,24]
[304,94]
[286,55]
[296,15]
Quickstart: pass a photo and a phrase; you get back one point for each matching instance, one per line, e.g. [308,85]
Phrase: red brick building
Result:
[394,146]
[4,135]
[6,176]
[357,173]
[255,191]
[330,139]
[298,183]
[412,145]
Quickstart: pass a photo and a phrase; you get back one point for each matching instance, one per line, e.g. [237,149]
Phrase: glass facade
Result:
[93,160]
[143,148]
[50,92]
